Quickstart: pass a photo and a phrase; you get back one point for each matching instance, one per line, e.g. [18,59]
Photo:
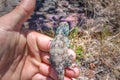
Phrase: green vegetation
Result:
[79,51]
[74,32]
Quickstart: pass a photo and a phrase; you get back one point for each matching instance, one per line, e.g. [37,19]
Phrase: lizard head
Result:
[63,29]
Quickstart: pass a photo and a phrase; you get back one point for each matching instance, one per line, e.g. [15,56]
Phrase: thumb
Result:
[14,19]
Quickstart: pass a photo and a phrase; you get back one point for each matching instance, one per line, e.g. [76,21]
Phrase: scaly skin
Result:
[59,57]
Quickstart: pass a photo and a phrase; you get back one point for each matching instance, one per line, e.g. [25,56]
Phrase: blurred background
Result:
[94,36]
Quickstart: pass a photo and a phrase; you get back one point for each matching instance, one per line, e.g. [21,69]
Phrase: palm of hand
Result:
[24,59]
[28,57]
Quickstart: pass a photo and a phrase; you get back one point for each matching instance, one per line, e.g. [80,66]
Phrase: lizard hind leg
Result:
[68,61]
[70,58]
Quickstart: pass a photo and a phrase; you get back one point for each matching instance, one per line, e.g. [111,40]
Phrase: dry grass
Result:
[101,38]
[102,30]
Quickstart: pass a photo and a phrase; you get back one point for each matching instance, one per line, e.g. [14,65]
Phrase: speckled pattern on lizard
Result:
[59,57]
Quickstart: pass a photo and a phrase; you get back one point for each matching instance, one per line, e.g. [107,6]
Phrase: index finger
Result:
[37,41]
[43,42]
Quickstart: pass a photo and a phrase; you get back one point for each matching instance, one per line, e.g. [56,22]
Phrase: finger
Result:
[45,56]
[37,42]
[44,69]
[71,73]
[18,15]
[67,78]
[74,72]
[53,75]
[48,71]
[43,42]
[40,77]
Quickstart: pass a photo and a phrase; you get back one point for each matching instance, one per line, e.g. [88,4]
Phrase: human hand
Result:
[24,56]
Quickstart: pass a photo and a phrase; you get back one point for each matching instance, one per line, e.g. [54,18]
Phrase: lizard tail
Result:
[60,76]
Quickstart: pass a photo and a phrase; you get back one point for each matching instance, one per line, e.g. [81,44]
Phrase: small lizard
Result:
[59,57]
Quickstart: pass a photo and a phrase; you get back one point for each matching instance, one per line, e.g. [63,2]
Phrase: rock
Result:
[7,5]
[90,74]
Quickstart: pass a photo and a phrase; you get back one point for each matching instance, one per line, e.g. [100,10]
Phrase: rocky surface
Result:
[7,5]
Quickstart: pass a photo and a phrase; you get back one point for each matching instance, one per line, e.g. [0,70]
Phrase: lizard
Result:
[59,57]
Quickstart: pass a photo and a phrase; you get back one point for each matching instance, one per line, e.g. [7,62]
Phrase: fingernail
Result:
[76,71]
